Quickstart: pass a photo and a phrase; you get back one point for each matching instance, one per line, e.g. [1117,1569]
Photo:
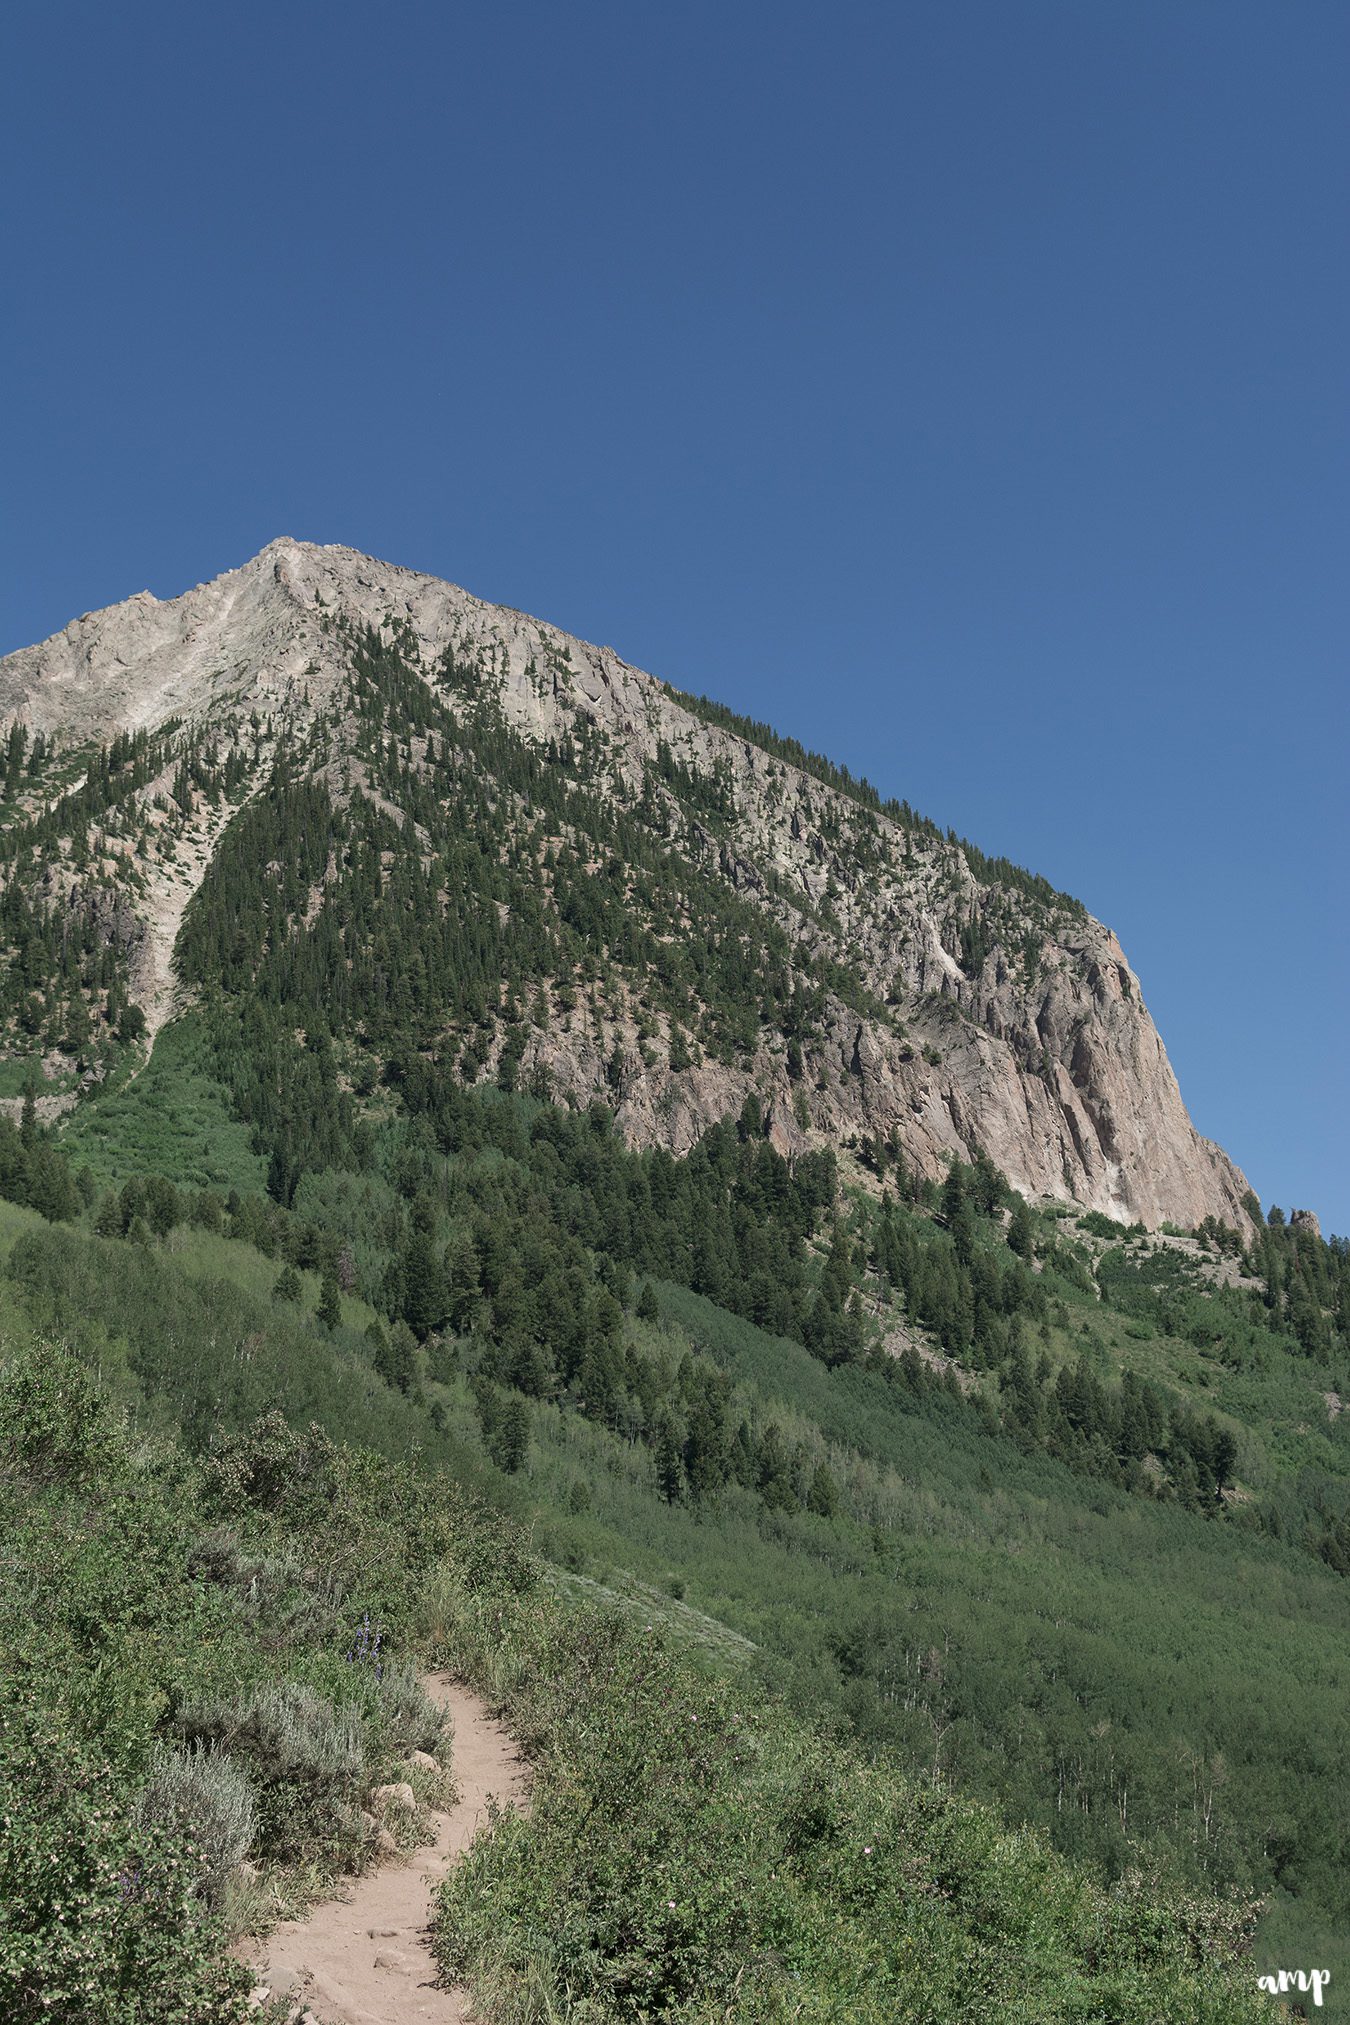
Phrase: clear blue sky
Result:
[961,386]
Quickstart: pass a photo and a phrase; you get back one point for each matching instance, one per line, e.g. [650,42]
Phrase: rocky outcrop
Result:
[995,1016]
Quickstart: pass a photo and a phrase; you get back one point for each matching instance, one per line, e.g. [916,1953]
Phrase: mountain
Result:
[871,979]
[345,919]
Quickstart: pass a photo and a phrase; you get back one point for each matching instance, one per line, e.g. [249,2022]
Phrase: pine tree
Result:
[162,1207]
[1020,1238]
[51,1187]
[461,1281]
[823,1496]
[513,1436]
[705,1451]
[424,1289]
[775,1483]
[669,1467]
[28,1125]
[108,1218]
[329,1310]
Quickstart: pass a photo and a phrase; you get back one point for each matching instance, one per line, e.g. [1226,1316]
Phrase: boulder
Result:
[398,1793]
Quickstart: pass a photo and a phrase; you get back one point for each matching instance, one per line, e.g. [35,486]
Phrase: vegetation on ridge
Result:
[995,871]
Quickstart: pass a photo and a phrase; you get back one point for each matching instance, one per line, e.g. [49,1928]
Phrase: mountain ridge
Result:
[958,1005]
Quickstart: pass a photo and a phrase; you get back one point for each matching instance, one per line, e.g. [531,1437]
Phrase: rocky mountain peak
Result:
[957,1004]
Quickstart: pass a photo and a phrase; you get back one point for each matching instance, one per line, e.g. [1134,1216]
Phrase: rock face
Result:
[998,1015]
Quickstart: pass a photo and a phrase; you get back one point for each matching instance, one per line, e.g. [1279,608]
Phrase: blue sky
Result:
[961,386]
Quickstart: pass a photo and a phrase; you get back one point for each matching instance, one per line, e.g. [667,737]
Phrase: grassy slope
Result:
[172,1118]
[694,1852]
[1075,1622]
[1085,1636]
[1060,1607]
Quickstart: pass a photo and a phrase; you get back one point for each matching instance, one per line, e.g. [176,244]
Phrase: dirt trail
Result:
[363,1959]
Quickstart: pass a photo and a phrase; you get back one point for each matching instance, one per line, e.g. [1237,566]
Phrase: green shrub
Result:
[410,1719]
[55,1422]
[201,1798]
[104,1917]
[305,1756]
[296,1606]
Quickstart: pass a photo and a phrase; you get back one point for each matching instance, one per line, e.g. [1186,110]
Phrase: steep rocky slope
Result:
[958,1004]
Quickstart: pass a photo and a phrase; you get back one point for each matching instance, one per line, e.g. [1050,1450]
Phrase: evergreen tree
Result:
[108,1217]
[329,1310]
[512,1442]
[162,1207]
[288,1285]
[669,1467]
[823,1496]
[51,1187]
[1020,1238]
[425,1295]
[461,1281]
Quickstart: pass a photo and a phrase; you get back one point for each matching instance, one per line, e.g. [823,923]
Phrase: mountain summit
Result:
[440,832]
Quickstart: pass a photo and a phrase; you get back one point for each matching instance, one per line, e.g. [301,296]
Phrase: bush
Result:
[410,1719]
[201,1798]
[305,1755]
[104,1918]
[271,1589]
[55,1423]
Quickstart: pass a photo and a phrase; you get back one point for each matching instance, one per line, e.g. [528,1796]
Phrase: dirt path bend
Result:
[363,1959]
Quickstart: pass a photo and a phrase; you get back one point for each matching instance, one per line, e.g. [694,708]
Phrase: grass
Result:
[173,1118]
[693,1841]
[205,1255]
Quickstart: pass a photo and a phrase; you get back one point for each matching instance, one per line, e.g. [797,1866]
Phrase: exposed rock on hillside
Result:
[965,1006]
